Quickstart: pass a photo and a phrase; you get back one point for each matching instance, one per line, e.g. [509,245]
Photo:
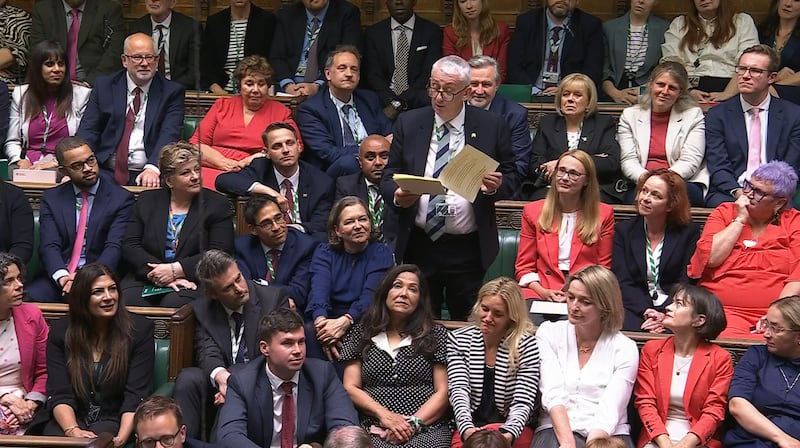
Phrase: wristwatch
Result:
[397,105]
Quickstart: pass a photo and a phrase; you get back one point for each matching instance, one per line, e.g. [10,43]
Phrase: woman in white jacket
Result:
[666,130]
[43,111]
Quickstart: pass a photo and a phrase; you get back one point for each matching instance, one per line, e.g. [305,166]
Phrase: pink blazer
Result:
[497,48]
[32,331]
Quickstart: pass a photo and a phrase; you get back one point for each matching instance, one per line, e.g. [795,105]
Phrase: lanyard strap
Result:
[176,230]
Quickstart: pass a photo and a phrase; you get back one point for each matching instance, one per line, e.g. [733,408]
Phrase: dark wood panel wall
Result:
[440,11]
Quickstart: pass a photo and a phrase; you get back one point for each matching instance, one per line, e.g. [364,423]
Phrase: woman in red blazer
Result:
[475,32]
[688,366]
[565,232]
[23,337]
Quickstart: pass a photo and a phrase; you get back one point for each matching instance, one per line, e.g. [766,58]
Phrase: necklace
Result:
[685,364]
[585,348]
[789,387]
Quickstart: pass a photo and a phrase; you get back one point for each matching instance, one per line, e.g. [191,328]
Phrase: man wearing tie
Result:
[372,157]
[226,336]
[132,114]
[80,221]
[452,240]
[285,400]
[751,128]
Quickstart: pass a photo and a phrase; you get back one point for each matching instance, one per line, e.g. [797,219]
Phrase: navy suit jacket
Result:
[104,120]
[726,143]
[322,405]
[425,48]
[485,131]
[629,263]
[292,269]
[16,217]
[108,220]
[184,46]
[582,50]
[352,185]
[212,333]
[315,191]
[342,25]
[517,118]
[318,120]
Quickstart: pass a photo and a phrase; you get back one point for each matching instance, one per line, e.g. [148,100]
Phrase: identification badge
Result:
[445,210]
[550,77]
[694,81]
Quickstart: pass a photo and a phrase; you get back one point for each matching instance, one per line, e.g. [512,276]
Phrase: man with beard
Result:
[372,157]
[552,42]
[87,201]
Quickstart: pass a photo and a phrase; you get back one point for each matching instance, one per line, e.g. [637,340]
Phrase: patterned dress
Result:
[402,384]
[15,30]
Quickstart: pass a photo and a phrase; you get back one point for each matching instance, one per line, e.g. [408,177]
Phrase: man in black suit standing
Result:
[306,32]
[177,39]
[372,157]
[399,53]
[452,240]
[226,335]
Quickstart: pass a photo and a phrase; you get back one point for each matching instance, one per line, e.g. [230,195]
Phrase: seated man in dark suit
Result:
[484,81]
[334,123]
[88,201]
[732,153]
[132,114]
[274,253]
[366,184]
[159,420]
[304,192]
[307,31]
[177,39]
[399,52]
[552,42]
[286,399]
[90,31]
[226,335]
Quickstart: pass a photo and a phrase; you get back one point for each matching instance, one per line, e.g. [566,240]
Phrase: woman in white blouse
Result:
[588,365]
[708,41]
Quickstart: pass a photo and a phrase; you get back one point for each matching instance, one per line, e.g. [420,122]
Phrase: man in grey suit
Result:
[100,32]
[226,335]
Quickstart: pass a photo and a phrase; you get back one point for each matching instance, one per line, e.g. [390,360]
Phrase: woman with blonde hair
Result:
[474,32]
[493,366]
[588,365]
[568,230]
[577,125]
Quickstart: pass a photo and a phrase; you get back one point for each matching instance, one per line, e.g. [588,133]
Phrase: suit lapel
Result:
[423,141]
[774,127]
[193,219]
[283,266]
[739,127]
[560,133]
[388,51]
[621,37]
[256,253]
[587,136]
[674,134]
[264,391]
[639,245]
[154,97]
[252,315]
[220,328]
[668,249]
[305,186]
[87,22]
[700,362]
[333,116]
[654,41]
[97,212]
[305,401]
[366,119]
[642,135]
[666,360]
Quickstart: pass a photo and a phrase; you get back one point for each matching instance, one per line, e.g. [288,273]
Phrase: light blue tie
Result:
[434,225]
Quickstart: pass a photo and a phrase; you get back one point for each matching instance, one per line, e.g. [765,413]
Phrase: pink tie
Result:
[754,140]
[78,246]
[72,43]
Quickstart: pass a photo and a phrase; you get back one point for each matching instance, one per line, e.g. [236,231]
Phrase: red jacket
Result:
[496,48]
[32,331]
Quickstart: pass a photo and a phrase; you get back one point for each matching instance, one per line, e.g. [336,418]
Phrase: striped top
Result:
[235,52]
[515,393]
[15,29]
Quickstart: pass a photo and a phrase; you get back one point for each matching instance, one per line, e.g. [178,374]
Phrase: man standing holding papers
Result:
[452,240]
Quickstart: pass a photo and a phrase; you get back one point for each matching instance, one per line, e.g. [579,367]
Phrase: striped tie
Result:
[434,225]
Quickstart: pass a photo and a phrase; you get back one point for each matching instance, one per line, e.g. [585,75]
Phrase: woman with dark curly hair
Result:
[397,339]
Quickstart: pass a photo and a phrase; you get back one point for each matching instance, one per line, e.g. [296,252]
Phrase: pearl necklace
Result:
[789,387]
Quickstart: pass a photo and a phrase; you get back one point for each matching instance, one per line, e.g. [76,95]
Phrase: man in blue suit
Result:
[274,253]
[108,209]
[335,122]
[484,82]
[132,114]
[732,155]
[452,240]
[306,392]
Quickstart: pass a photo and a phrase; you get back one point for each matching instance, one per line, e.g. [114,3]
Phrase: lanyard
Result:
[652,262]
[312,34]
[572,143]
[176,229]
[47,119]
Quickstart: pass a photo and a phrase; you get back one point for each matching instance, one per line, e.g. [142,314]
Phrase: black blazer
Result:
[582,52]
[629,263]
[5,112]
[184,46]
[217,37]
[208,225]
[425,48]
[598,139]
[352,185]
[16,217]
[342,25]
[212,333]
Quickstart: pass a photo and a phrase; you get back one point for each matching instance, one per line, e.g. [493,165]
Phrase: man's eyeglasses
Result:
[758,194]
[772,328]
[165,441]
[754,71]
[269,223]
[138,58]
[569,174]
[446,96]
[90,162]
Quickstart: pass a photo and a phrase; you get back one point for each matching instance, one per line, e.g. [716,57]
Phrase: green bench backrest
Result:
[503,265]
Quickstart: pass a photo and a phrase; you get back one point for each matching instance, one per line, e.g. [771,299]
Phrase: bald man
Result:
[373,154]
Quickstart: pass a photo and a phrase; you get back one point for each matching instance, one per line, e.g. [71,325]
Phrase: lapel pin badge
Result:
[583,139]
[473,135]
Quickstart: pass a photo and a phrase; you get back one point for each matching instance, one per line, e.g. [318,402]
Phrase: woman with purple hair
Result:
[749,252]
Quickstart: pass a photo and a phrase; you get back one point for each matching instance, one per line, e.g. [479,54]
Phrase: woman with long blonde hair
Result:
[474,32]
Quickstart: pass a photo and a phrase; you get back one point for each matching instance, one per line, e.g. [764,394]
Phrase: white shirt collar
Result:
[764,105]
[166,21]
[381,340]
[456,123]
[132,85]
[409,23]
[275,381]
[294,178]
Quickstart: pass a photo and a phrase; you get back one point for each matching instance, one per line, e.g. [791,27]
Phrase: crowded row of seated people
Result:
[406,379]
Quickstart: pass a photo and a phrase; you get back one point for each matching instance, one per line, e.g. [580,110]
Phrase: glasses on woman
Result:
[433,92]
[758,194]
[569,174]
[165,441]
[772,328]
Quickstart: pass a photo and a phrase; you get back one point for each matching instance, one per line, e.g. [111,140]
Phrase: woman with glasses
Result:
[170,229]
[683,380]
[563,233]
[763,398]
[576,126]
[749,252]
